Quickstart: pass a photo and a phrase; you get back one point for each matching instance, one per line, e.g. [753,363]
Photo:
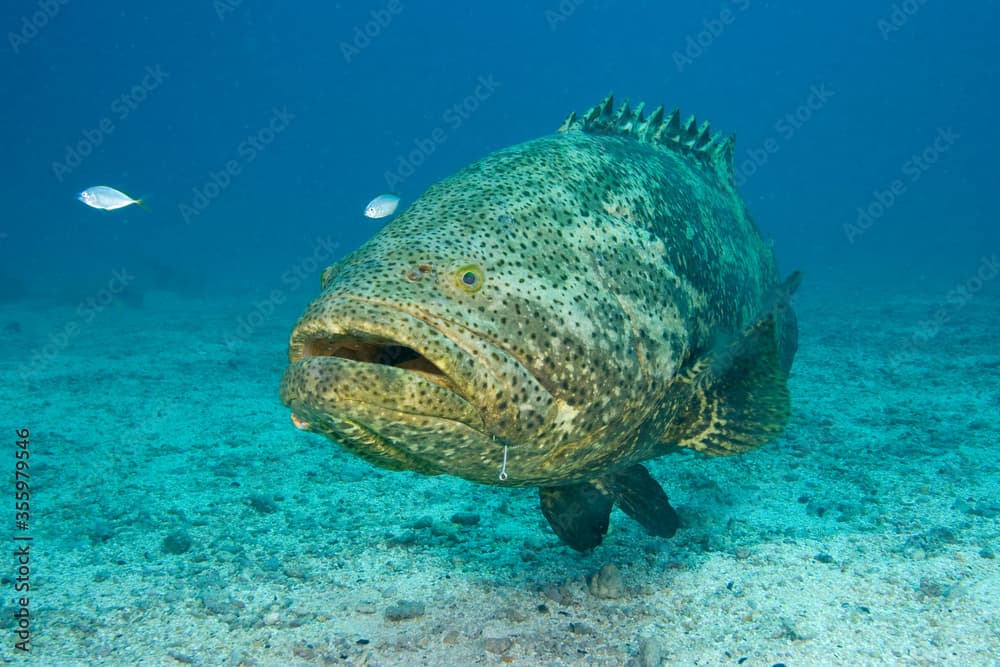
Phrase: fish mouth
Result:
[375,349]
[359,355]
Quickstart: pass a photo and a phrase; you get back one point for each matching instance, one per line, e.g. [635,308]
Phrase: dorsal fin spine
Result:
[659,128]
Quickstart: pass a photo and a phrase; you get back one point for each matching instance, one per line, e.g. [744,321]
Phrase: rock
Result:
[403,539]
[177,542]
[101,531]
[560,594]
[606,583]
[498,644]
[422,523]
[263,504]
[580,628]
[650,653]
[404,610]
[823,558]
[465,518]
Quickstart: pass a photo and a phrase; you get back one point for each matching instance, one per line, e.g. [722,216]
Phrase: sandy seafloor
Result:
[866,535]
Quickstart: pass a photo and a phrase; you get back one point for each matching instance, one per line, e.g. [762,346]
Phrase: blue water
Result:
[890,92]
[257,132]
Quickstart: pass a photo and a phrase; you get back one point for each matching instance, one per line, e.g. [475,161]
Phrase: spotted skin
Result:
[558,295]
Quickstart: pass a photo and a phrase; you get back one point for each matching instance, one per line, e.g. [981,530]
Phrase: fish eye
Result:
[469,278]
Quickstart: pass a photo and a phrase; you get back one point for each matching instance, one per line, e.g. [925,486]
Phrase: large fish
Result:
[553,315]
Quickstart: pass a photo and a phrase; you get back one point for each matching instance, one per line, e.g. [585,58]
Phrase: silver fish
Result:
[382,206]
[107,198]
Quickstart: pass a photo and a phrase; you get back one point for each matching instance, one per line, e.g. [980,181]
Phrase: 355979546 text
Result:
[22,540]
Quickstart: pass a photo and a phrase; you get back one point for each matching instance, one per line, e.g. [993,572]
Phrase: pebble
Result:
[465,518]
[403,539]
[263,504]
[404,610]
[606,583]
[823,558]
[650,653]
[177,542]
[498,644]
[101,531]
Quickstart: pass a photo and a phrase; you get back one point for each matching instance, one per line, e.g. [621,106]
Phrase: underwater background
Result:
[177,516]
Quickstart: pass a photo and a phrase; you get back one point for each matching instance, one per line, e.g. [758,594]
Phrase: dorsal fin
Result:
[664,129]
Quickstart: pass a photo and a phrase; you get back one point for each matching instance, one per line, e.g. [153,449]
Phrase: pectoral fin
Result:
[580,513]
[735,398]
[642,498]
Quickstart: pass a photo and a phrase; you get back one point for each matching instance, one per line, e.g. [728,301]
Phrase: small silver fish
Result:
[382,206]
[107,198]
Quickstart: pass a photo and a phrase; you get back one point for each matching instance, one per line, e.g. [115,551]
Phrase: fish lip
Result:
[385,337]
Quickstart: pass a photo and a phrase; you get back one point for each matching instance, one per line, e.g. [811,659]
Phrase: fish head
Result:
[447,337]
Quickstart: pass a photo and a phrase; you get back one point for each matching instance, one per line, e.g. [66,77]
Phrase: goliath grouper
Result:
[554,314]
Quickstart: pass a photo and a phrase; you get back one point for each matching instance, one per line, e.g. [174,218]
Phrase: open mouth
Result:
[371,349]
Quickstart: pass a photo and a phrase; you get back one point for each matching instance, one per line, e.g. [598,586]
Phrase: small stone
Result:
[465,518]
[606,583]
[404,610]
[558,594]
[101,531]
[304,651]
[498,644]
[650,653]
[272,618]
[986,552]
[823,558]
[177,542]
[422,523]
[934,589]
[365,607]
[263,504]
[403,539]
